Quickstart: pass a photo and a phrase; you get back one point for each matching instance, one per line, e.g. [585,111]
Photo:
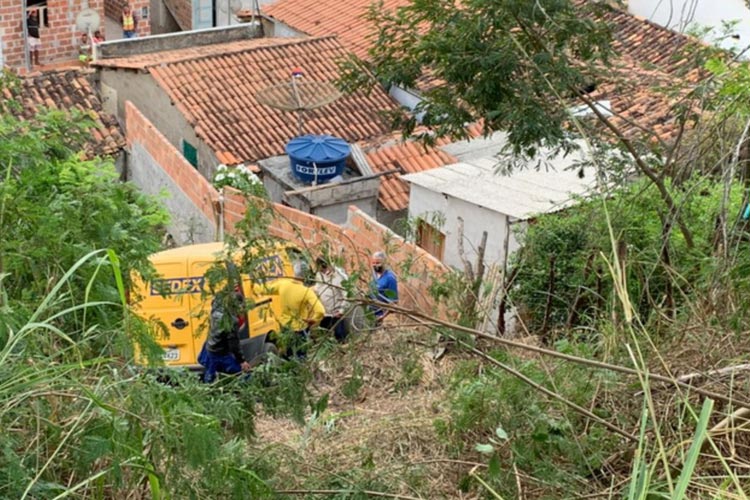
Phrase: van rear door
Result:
[168,299]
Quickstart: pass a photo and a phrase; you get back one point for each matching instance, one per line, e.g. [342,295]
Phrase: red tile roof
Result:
[215,88]
[646,53]
[649,57]
[66,90]
[409,157]
[332,17]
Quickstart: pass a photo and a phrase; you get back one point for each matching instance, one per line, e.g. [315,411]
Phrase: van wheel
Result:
[266,351]
[269,348]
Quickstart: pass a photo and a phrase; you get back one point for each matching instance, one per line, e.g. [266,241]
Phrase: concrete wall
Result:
[60,39]
[155,166]
[278,29]
[425,203]
[119,86]
[396,221]
[332,201]
[162,20]
[680,14]
[174,41]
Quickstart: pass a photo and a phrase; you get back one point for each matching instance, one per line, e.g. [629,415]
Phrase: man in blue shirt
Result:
[383,287]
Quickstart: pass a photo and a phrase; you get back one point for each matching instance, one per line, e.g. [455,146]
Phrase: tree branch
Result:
[416,315]
[644,168]
[371,493]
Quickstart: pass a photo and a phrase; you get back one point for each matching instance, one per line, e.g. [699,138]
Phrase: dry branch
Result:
[417,315]
[379,494]
[721,371]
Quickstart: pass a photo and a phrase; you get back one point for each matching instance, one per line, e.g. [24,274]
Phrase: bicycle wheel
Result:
[360,319]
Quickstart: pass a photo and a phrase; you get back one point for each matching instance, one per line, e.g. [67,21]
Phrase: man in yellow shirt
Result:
[301,309]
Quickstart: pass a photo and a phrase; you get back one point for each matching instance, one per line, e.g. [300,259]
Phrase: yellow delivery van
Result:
[176,306]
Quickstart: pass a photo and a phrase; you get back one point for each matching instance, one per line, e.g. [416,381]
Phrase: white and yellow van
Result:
[177,309]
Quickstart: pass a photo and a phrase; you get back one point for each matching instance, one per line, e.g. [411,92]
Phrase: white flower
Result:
[219,178]
[221,167]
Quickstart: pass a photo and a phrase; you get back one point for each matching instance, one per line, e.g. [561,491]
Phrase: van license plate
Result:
[171,355]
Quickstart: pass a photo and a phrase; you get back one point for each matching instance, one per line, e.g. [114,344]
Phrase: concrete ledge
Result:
[174,41]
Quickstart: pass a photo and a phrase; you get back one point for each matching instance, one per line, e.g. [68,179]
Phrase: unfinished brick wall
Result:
[355,242]
[60,39]
[113,10]
[197,187]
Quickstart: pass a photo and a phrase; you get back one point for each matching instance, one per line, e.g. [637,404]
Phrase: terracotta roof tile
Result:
[331,17]
[408,156]
[215,88]
[67,90]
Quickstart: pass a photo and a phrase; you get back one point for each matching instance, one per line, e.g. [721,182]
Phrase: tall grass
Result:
[81,423]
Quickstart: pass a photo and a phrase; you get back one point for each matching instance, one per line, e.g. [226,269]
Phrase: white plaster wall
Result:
[423,202]
[680,14]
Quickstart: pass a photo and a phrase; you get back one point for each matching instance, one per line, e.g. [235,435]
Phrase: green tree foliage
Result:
[498,415]
[578,244]
[57,206]
[504,63]
[78,421]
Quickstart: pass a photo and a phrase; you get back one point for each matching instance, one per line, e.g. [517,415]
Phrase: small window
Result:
[430,239]
[190,153]
[41,6]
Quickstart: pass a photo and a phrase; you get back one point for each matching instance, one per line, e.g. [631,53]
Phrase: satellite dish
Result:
[236,5]
[298,96]
[87,20]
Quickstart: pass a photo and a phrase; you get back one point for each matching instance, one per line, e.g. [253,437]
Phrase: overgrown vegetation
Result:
[78,419]
[627,377]
[564,280]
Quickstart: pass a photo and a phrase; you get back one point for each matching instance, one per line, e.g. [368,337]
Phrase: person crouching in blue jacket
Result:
[221,352]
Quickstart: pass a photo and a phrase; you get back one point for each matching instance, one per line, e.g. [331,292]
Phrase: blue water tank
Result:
[317,158]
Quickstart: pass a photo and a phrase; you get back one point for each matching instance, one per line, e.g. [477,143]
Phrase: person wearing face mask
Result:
[383,287]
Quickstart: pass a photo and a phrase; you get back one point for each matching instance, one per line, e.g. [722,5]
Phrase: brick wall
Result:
[113,10]
[156,165]
[60,39]
[354,241]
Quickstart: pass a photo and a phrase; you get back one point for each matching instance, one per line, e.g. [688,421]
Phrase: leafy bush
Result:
[577,243]
[88,426]
[509,422]
[56,207]
[240,178]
